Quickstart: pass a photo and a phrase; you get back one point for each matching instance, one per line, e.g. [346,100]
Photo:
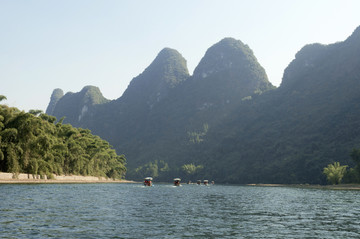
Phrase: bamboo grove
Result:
[34,143]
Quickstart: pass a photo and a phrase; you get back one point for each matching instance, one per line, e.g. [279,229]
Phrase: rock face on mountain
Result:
[75,106]
[55,97]
[228,118]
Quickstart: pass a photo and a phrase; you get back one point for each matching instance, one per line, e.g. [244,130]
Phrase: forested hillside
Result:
[33,143]
[292,133]
[227,122]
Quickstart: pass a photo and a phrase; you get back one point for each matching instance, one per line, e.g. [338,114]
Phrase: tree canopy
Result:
[34,143]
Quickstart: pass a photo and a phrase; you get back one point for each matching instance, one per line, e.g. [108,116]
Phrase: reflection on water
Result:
[165,211]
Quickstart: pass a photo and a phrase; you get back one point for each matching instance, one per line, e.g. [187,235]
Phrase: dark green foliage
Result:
[35,145]
[355,155]
[2,97]
[35,112]
[353,175]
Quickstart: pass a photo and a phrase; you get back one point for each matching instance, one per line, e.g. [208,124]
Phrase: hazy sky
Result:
[69,44]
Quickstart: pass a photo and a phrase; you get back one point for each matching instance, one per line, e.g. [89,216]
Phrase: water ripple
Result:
[163,211]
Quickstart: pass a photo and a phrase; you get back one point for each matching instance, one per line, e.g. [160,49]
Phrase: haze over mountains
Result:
[227,117]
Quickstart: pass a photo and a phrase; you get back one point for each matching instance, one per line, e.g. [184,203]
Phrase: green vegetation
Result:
[160,170]
[2,97]
[151,169]
[355,156]
[197,137]
[191,169]
[353,174]
[33,143]
[335,173]
[255,133]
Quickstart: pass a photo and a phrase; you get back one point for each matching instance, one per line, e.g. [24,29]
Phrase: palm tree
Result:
[334,172]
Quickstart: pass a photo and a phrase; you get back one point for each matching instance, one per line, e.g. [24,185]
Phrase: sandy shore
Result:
[29,178]
[331,187]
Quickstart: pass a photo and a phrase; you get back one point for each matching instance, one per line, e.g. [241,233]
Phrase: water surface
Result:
[164,211]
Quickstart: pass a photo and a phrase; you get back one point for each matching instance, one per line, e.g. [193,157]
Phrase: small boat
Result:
[198,182]
[206,182]
[177,181]
[148,181]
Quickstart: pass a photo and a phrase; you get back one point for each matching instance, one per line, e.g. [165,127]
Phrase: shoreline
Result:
[10,178]
[311,186]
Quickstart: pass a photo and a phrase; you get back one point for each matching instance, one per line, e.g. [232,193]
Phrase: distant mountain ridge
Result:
[228,117]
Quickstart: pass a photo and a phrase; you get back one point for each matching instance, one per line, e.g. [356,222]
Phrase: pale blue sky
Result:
[69,44]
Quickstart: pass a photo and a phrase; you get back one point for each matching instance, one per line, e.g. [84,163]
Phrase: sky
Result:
[70,44]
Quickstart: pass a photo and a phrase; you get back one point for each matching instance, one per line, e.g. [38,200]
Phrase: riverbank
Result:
[310,186]
[6,178]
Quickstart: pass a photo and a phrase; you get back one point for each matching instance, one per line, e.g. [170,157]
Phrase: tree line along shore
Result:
[35,143]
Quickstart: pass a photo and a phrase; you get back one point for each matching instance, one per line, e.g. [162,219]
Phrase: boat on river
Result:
[206,182]
[177,181]
[148,181]
[198,182]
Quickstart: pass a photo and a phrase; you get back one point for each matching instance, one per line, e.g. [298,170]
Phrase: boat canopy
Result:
[148,178]
[177,179]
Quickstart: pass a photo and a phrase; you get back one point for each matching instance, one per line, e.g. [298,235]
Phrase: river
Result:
[164,211]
